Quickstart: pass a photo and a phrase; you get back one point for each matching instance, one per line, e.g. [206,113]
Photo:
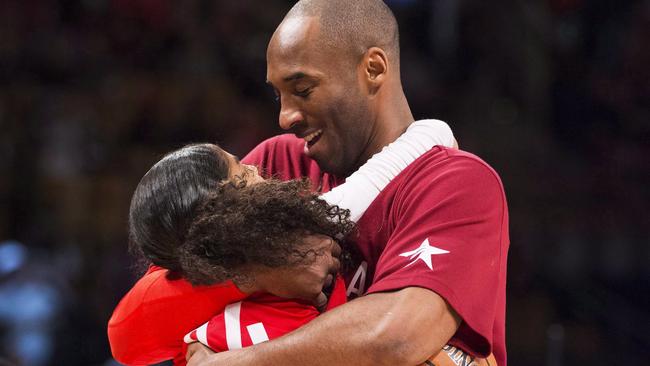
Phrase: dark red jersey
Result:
[441,224]
[283,157]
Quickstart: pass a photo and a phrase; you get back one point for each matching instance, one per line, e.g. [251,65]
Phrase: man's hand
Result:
[200,355]
[197,354]
[313,270]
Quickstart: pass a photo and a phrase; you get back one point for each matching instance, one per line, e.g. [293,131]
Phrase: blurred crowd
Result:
[555,94]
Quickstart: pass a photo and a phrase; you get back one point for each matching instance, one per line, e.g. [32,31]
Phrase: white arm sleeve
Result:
[364,185]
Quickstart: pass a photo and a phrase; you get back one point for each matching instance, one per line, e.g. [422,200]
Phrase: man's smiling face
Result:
[321,95]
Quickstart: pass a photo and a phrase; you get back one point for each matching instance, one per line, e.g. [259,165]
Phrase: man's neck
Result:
[391,123]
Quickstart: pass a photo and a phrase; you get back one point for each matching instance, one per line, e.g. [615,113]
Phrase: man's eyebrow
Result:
[295,76]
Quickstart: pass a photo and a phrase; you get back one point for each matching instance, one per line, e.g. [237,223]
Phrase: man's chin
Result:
[326,162]
[327,165]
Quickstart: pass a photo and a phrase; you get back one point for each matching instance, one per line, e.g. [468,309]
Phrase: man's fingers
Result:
[321,302]
[192,349]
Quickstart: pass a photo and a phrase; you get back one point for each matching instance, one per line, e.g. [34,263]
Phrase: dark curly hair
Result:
[263,224]
[187,216]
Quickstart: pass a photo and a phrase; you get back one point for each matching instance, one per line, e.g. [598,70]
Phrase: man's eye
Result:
[304,92]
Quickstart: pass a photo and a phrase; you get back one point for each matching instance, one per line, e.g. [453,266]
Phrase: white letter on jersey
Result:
[358,283]
[233,325]
[233,328]
[257,333]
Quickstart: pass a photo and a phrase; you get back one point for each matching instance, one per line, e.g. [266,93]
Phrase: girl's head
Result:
[164,203]
[203,215]
[265,235]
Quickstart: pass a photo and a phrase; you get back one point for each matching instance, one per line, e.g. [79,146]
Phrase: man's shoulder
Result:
[284,157]
[444,175]
[441,161]
[287,140]
[285,144]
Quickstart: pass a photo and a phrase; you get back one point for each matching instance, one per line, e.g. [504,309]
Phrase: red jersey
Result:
[259,318]
[148,325]
[441,224]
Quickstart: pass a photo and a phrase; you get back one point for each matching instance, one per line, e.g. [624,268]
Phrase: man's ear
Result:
[375,64]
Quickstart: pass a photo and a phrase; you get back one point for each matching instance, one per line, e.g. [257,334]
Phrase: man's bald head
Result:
[334,65]
[352,26]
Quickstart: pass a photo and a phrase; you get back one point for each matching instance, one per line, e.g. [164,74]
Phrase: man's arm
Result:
[397,328]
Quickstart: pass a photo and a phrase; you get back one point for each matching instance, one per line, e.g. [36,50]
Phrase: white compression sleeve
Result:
[364,185]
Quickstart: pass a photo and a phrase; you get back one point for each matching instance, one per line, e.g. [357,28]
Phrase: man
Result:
[434,243]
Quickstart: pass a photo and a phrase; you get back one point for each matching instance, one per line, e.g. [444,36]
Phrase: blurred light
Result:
[12,256]
[33,346]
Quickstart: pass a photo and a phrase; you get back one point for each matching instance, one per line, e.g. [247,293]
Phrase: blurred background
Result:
[555,94]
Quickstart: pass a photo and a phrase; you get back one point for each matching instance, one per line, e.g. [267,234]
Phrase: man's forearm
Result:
[399,328]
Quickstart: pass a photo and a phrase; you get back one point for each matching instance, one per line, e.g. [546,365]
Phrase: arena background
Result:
[554,94]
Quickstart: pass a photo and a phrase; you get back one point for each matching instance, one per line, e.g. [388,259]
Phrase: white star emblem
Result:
[424,252]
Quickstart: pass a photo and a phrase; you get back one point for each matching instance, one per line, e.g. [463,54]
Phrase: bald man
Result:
[434,243]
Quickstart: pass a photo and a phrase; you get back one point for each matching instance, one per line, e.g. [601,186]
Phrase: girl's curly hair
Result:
[258,224]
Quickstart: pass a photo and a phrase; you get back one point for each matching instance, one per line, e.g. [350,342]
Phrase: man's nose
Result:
[290,117]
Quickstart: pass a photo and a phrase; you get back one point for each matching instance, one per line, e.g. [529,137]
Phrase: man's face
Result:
[321,95]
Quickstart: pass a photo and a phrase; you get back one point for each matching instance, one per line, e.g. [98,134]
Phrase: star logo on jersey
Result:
[424,252]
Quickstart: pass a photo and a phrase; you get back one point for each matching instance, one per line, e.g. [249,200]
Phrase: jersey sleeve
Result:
[450,236]
[257,319]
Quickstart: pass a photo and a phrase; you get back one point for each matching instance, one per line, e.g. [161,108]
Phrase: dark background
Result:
[554,94]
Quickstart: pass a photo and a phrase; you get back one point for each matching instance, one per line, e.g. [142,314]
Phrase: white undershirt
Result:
[364,185]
